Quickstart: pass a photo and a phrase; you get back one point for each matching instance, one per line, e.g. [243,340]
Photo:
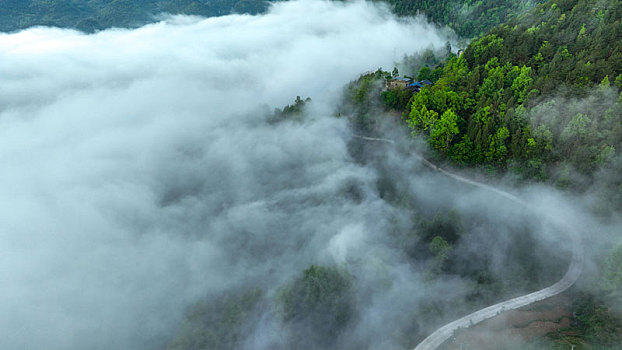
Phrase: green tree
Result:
[218,323]
[521,84]
[440,248]
[611,280]
[321,300]
[395,98]
[425,73]
[497,149]
[422,119]
[577,128]
[444,130]
[604,84]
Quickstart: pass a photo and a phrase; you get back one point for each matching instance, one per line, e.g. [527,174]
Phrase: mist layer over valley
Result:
[144,184]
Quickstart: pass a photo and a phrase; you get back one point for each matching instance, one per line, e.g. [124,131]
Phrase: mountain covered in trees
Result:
[93,15]
[467,17]
[538,96]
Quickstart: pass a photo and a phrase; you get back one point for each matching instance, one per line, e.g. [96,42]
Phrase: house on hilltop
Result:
[405,83]
[417,85]
[397,82]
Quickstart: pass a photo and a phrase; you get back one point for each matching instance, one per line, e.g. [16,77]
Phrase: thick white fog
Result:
[139,175]
[133,161]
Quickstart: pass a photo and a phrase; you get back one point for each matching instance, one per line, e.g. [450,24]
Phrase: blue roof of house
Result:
[416,84]
[426,82]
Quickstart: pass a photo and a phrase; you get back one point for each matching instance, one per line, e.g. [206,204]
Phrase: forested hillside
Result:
[537,96]
[94,15]
[468,18]
[318,239]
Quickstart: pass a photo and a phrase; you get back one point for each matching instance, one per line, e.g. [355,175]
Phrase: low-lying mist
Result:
[141,176]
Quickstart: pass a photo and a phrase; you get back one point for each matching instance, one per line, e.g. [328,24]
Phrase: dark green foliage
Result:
[611,280]
[468,18]
[219,323]
[597,325]
[365,97]
[535,96]
[396,98]
[93,15]
[444,242]
[564,42]
[424,73]
[360,97]
[447,226]
[318,305]
[290,112]
[608,184]
[419,243]
[426,64]
[250,6]
[597,322]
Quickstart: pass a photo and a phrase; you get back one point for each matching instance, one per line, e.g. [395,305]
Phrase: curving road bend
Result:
[434,340]
[437,338]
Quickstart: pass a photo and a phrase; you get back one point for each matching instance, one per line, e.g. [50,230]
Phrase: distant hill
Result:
[93,15]
[469,18]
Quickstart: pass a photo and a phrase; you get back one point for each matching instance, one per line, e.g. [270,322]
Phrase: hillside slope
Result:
[538,95]
[95,15]
[467,17]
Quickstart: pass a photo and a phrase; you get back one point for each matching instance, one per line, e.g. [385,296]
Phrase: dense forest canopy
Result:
[538,95]
[467,17]
[92,15]
[535,99]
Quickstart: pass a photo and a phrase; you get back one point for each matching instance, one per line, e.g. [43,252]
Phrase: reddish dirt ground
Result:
[515,327]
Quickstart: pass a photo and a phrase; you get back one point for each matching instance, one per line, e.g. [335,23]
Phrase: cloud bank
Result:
[135,161]
[140,175]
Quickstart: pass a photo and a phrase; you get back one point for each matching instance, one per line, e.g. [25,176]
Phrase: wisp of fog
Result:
[139,175]
[135,161]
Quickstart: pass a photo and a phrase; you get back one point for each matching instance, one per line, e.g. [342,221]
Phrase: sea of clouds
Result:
[136,162]
[139,175]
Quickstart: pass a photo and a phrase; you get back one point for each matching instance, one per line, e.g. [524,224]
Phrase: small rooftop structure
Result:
[406,83]
[397,82]
[418,85]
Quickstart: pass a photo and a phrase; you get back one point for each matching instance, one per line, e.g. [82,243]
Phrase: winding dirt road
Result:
[442,334]
[434,340]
